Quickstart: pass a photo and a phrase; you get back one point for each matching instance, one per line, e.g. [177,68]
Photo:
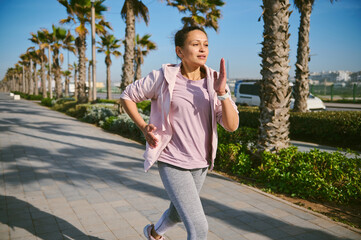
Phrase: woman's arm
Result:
[147,129]
[229,114]
[230,117]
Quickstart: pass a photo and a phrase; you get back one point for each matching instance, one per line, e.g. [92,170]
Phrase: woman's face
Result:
[194,53]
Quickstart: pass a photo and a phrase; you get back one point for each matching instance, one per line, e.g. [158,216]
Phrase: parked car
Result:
[247,93]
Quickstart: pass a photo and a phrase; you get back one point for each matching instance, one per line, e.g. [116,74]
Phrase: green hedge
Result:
[339,129]
[28,96]
[312,175]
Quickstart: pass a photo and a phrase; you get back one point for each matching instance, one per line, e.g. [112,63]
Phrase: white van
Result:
[247,93]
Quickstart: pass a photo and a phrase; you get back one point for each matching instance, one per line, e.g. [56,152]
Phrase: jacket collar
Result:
[171,70]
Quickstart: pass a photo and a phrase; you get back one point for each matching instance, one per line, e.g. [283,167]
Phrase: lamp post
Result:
[93,51]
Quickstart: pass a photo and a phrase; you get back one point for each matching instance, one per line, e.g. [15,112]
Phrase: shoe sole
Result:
[145,231]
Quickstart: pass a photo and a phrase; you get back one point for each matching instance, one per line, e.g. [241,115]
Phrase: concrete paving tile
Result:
[25,238]
[292,230]
[176,233]
[51,235]
[261,226]
[70,223]
[256,236]
[124,209]
[46,228]
[117,224]
[343,232]
[5,236]
[104,235]
[4,228]
[16,232]
[275,233]
[323,222]
[126,233]
[96,228]
[73,233]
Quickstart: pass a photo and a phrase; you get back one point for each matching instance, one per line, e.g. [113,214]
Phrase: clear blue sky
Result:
[335,34]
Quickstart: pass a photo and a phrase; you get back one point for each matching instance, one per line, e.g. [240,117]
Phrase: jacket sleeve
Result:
[144,88]
[218,109]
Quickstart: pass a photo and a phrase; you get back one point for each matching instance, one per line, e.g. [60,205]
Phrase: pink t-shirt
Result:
[190,118]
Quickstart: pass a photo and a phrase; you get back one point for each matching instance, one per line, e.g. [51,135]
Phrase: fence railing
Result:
[337,92]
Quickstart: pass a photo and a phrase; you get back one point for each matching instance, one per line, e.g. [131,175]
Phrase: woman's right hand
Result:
[149,135]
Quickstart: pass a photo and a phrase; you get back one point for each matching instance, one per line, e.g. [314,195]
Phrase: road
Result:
[343,107]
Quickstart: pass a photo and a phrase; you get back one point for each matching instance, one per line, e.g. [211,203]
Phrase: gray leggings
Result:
[183,187]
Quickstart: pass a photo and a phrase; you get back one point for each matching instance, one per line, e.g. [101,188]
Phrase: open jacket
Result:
[158,86]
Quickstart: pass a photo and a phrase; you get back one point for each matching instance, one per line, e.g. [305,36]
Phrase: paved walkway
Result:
[64,179]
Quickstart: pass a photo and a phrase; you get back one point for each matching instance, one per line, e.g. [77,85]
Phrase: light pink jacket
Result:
[158,86]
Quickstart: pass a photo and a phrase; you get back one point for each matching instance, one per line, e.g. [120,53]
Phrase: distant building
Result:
[330,76]
[355,77]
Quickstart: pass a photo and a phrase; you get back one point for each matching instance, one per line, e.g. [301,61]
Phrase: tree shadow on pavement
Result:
[20,214]
[80,171]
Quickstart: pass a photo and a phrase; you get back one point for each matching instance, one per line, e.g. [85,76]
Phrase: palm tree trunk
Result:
[23,80]
[109,90]
[50,87]
[128,67]
[66,86]
[75,82]
[31,79]
[275,91]
[89,83]
[82,98]
[57,76]
[301,88]
[43,79]
[58,87]
[26,80]
[138,70]
[36,82]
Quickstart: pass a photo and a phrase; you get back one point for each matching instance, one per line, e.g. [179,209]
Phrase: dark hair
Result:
[181,36]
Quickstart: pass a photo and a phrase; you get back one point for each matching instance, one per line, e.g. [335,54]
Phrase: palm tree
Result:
[275,90]
[202,13]
[75,68]
[142,47]
[25,61]
[89,88]
[130,10]
[67,75]
[34,56]
[109,45]
[18,75]
[301,88]
[59,39]
[80,11]
[41,39]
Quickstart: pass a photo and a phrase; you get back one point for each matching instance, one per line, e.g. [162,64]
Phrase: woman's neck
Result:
[193,74]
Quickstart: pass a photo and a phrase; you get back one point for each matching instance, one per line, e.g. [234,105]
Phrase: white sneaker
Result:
[147,232]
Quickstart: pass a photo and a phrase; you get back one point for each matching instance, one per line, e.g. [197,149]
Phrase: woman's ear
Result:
[178,51]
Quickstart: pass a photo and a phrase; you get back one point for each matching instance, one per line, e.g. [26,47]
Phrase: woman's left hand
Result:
[220,82]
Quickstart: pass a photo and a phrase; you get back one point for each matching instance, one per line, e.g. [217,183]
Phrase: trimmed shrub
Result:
[97,112]
[99,100]
[49,102]
[28,96]
[124,125]
[338,129]
[144,107]
[313,175]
